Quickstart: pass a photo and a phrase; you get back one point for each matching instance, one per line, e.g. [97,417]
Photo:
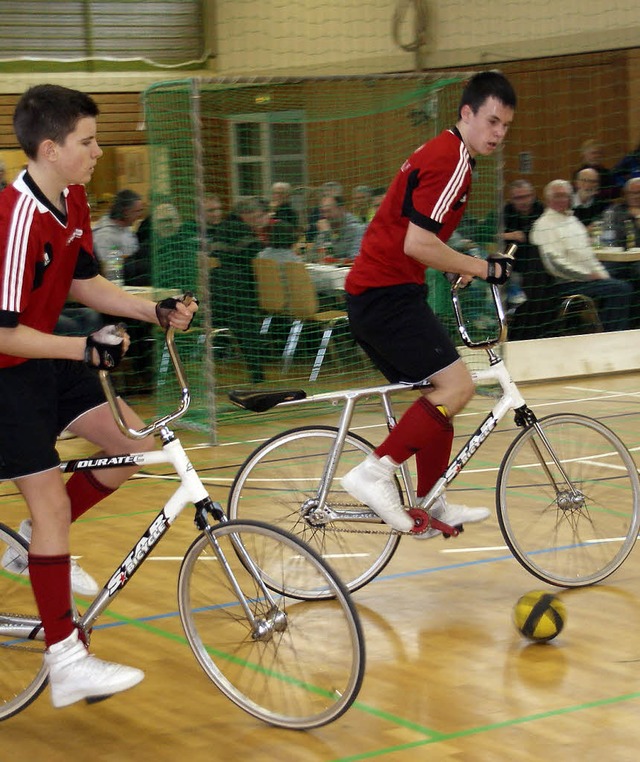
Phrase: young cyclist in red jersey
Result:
[46,382]
[388,312]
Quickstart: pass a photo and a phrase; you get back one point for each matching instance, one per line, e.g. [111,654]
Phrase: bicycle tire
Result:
[306,667]
[565,539]
[23,675]
[283,475]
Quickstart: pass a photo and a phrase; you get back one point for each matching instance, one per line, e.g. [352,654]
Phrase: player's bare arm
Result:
[23,341]
[104,296]
[427,248]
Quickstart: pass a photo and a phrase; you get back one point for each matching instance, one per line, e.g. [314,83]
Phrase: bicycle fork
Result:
[563,500]
[275,619]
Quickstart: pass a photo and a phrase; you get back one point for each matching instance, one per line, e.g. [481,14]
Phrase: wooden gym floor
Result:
[448,677]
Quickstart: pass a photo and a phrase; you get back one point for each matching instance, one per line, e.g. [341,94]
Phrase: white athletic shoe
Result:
[75,674]
[453,515]
[15,562]
[371,482]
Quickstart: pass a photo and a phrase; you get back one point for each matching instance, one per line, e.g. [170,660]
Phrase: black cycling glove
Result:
[166,306]
[506,266]
[108,343]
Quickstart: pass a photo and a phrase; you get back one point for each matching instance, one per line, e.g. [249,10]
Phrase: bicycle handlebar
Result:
[497,303]
[185,396]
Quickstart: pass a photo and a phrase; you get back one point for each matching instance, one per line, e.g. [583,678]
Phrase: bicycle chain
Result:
[388,531]
[364,531]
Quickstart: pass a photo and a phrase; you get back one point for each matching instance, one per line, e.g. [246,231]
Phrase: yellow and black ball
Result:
[539,616]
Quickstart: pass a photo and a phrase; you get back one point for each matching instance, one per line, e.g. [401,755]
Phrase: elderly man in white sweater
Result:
[567,255]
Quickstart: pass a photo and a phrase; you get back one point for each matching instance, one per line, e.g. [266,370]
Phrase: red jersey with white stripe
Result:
[430,190]
[41,251]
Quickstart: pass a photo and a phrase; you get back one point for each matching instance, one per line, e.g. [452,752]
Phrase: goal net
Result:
[218,142]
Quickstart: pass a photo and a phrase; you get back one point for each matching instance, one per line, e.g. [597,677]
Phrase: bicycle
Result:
[566,493]
[288,661]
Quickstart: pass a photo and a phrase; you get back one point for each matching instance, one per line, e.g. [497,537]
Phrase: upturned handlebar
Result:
[151,428]
[499,310]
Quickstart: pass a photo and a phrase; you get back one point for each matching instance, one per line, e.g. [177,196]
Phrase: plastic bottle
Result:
[629,233]
[608,234]
[114,266]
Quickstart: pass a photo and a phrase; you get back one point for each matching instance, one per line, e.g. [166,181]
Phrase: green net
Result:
[229,142]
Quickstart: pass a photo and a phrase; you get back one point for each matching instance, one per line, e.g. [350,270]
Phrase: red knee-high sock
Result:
[423,426]
[432,464]
[84,492]
[51,583]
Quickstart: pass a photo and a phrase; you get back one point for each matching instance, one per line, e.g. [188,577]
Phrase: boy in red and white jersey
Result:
[48,383]
[387,300]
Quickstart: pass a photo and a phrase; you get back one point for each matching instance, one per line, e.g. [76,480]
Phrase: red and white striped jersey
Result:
[41,252]
[431,191]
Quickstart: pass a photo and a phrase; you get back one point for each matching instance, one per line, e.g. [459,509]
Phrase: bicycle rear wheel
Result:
[22,672]
[294,664]
[279,483]
[571,533]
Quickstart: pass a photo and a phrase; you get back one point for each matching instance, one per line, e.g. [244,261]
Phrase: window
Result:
[267,148]
[169,32]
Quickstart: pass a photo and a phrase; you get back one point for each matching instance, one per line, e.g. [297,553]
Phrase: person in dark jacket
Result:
[234,294]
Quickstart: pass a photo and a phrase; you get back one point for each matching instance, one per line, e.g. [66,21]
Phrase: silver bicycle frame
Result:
[497,373]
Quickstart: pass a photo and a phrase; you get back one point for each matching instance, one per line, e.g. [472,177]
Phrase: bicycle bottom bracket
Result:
[423,521]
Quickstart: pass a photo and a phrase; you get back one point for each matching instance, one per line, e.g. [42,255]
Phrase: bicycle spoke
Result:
[571,517]
[279,483]
[22,675]
[296,664]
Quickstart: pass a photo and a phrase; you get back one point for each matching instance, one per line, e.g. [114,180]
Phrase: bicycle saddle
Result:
[259,401]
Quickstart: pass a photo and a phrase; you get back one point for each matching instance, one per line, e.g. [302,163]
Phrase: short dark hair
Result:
[122,202]
[49,112]
[487,84]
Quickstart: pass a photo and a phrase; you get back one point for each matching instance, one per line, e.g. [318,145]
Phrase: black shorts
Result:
[38,400]
[400,333]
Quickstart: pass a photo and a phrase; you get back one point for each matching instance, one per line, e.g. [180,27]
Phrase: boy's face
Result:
[77,157]
[485,130]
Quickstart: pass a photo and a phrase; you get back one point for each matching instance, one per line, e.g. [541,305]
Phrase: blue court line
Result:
[432,736]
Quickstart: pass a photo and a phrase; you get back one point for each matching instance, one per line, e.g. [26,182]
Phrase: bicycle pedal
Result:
[423,522]
[459,528]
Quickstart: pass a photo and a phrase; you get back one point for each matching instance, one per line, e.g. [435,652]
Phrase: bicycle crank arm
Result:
[423,521]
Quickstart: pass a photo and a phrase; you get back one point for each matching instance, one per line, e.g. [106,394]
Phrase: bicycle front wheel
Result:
[294,664]
[280,483]
[22,672]
[567,500]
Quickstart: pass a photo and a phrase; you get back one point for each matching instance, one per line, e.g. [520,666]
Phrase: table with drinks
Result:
[618,254]
[327,277]
[605,240]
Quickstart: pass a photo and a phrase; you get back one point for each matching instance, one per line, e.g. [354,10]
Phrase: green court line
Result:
[440,737]
[433,736]
[181,639]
